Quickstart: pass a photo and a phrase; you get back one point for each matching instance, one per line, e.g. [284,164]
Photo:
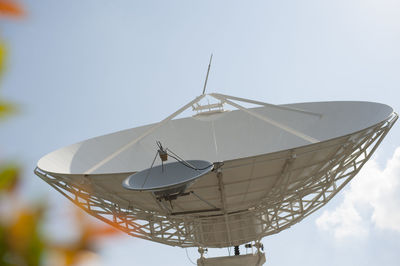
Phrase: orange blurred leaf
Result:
[22,229]
[11,8]
[24,239]
[100,231]
[92,229]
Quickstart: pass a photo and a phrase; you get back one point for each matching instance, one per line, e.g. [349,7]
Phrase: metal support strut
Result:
[237,252]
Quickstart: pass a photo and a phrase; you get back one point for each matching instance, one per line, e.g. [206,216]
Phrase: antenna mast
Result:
[208,71]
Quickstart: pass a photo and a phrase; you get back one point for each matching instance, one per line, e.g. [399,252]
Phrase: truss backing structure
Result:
[308,177]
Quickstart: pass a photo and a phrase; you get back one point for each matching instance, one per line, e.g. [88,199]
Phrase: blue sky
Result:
[80,69]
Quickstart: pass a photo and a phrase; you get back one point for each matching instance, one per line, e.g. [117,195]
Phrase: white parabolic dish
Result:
[276,165]
[225,136]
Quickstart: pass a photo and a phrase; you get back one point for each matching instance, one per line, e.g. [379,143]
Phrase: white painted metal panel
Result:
[225,136]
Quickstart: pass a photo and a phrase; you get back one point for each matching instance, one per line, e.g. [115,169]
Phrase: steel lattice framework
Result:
[301,189]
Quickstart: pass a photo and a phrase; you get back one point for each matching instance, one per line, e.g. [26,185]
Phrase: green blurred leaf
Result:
[6,109]
[3,245]
[2,56]
[9,176]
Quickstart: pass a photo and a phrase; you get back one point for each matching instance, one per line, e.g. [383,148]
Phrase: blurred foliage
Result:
[22,241]
[8,9]
[90,233]
[5,107]
[2,56]
[9,175]
[11,9]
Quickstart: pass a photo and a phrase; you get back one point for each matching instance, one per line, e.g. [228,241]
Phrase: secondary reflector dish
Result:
[169,175]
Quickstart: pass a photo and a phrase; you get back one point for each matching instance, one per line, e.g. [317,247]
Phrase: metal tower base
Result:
[256,259]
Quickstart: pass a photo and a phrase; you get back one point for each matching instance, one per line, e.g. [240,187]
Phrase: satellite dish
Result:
[163,178]
[256,171]
[217,136]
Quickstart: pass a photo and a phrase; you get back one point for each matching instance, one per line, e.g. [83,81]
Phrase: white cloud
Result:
[373,198]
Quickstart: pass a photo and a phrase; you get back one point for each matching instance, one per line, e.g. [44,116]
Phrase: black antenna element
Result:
[208,71]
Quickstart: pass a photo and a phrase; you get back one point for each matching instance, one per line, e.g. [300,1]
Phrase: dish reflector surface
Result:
[225,136]
[167,176]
